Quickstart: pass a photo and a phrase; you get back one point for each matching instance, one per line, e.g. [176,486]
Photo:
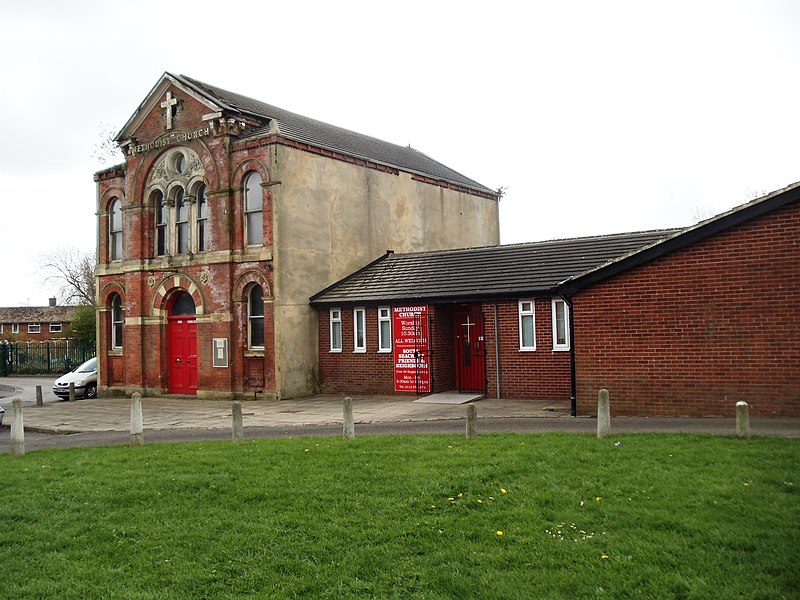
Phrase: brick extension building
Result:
[227,214]
[679,322]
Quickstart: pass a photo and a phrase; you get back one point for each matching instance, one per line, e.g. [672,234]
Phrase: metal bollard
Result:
[39,400]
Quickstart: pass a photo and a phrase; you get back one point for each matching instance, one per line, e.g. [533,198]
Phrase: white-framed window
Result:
[1,328]
[116,321]
[336,330]
[115,230]
[527,325]
[15,328]
[255,317]
[560,324]
[202,219]
[34,327]
[55,327]
[359,330]
[384,329]
[162,223]
[253,211]
[181,221]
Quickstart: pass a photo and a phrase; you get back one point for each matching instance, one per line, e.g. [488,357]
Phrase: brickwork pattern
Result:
[694,332]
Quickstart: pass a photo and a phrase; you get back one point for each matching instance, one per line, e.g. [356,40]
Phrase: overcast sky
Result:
[596,117]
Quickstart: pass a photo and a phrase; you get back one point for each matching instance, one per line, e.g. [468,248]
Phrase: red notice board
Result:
[412,372]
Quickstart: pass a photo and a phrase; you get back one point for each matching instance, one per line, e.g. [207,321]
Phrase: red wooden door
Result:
[469,342]
[182,343]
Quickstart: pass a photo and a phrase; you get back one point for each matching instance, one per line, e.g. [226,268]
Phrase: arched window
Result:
[253,210]
[255,317]
[116,321]
[181,221]
[115,230]
[162,218]
[202,219]
[183,305]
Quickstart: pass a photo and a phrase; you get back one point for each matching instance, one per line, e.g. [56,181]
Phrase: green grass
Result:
[659,516]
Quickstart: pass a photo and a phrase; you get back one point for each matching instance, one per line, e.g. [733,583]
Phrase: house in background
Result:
[227,214]
[676,322]
[36,323]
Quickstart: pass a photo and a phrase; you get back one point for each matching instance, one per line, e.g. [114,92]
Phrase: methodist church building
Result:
[227,214]
[673,322]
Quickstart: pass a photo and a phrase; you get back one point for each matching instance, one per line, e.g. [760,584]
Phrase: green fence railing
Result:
[33,358]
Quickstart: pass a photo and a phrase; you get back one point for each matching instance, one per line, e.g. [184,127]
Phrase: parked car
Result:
[2,412]
[85,379]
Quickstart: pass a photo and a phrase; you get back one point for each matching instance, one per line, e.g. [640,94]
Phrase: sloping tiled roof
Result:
[487,272]
[322,135]
[37,314]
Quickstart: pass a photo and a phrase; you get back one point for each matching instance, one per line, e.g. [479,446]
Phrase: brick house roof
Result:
[482,273]
[322,135]
[37,314]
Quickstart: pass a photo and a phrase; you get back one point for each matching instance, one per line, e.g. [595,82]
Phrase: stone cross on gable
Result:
[168,104]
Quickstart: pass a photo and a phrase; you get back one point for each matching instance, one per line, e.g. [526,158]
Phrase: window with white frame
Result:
[15,328]
[179,201]
[359,330]
[527,325]
[1,328]
[34,327]
[55,327]
[115,230]
[384,329]
[253,210]
[255,316]
[336,330]
[116,321]
[560,324]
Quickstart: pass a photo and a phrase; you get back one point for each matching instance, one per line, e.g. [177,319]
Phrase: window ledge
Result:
[254,353]
[115,352]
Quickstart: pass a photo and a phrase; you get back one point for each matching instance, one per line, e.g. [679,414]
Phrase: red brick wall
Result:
[696,331]
[541,375]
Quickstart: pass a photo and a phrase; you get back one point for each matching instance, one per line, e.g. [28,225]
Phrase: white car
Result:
[84,378]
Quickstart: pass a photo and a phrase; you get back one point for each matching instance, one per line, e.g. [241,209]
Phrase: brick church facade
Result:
[227,215]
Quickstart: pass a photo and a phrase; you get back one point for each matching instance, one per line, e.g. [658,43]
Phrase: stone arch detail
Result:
[246,166]
[245,279]
[111,287]
[170,284]
[110,194]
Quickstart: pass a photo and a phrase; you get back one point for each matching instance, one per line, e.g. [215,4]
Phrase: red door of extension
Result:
[182,354]
[469,343]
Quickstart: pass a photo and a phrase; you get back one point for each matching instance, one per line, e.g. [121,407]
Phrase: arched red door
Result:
[182,344]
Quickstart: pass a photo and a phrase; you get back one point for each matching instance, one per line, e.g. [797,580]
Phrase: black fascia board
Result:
[681,240]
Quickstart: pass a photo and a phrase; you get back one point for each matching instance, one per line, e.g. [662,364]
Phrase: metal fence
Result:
[33,358]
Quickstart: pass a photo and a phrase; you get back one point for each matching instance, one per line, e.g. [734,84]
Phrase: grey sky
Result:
[597,117]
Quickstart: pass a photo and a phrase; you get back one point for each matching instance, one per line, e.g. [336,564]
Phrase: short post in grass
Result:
[39,401]
[603,414]
[472,421]
[17,428]
[238,429]
[137,424]
[72,391]
[348,426]
[743,419]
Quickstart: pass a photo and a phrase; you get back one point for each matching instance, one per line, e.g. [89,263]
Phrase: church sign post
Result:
[411,362]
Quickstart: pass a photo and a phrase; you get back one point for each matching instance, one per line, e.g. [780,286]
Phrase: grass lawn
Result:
[501,516]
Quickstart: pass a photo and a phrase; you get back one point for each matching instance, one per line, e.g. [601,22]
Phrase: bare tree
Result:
[72,270]
[106,152]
